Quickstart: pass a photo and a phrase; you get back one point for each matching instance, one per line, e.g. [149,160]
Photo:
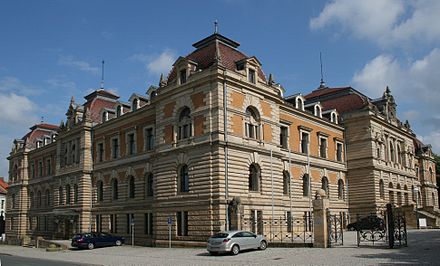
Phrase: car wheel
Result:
[118,242]
[235,250]
[263,245]
[90,246]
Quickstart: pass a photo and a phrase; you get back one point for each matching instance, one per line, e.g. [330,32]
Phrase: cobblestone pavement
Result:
[423,249]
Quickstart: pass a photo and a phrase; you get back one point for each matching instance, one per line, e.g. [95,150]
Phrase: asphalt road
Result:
[9,260]
[423,249]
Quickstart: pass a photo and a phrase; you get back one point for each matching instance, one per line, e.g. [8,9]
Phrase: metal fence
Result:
[282,229]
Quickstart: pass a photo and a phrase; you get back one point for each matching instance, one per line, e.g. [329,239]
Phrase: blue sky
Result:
[52,50]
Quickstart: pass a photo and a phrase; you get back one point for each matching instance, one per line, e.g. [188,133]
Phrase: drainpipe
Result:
[225,129]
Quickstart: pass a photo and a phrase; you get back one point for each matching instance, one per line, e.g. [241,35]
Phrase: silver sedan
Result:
[235,241]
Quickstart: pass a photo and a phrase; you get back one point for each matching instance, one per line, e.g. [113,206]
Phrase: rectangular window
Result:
[48,167]
[323,147]
[251,77]
[131,144]
[113,223]
[339,152]
[98,223]
[304,142]
[40,168]
[183,76]
[148,223]
[284,137]
[32,170]
[115,148]
[100,151]
[149,139]
[182,223]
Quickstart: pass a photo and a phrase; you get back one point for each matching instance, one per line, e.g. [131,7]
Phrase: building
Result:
[214,146]
[385,161]
[3,192]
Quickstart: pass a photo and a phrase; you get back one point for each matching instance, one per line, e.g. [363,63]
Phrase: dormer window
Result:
[182,76]
[299,104]
[54,137]
[334,117]
[251,76]
[135,104]
[318,111]
[104,116]
[39,144]
[119,111]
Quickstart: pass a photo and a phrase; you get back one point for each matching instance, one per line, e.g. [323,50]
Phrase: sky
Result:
[52,50]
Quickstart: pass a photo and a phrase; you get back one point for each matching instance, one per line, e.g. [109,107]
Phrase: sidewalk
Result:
[423,248]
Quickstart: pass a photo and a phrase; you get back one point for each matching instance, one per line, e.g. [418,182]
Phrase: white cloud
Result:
[156,64]
[385,22]
[17,110]
[13,84]
[432,138]
[68,60]
[414,84]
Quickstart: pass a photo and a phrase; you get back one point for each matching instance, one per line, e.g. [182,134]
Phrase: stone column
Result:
[320,228]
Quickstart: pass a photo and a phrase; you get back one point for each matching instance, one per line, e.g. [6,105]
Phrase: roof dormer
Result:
[315,108]
[332,115]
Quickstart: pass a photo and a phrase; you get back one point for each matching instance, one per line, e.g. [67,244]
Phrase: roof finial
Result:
[102,74]
[322,83]
[42,119]
[215,27]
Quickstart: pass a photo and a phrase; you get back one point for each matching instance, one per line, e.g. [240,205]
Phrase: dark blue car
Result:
[92,240]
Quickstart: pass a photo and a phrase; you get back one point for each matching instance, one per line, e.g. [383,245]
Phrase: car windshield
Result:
[220,235]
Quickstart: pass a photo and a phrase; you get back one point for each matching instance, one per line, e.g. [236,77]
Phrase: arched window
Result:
[433,199]
[73,153]
[390,193]
[60,196]
[149,185]
[114,189]
[399,155]
[15,173]
[399,195]
[47,195]
[405,195]
[381,189]
[299,104]
[340,189]
[318,111]
[100,190]
[183,178]
[286,183]
[413,194]
[135,104]
[119,111]
[185,124]
[75,193]
[254,177]
[39,200]
[131,187]
[306,185]
[325,186]
[392,155]
[67,194]
[431,175]
[252,123]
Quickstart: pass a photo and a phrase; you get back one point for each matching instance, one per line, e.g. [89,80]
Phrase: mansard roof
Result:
[343,99]
[216,48]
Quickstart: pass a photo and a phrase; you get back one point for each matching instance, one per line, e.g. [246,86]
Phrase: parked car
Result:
[371,222]
[234,242]
[92,240]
